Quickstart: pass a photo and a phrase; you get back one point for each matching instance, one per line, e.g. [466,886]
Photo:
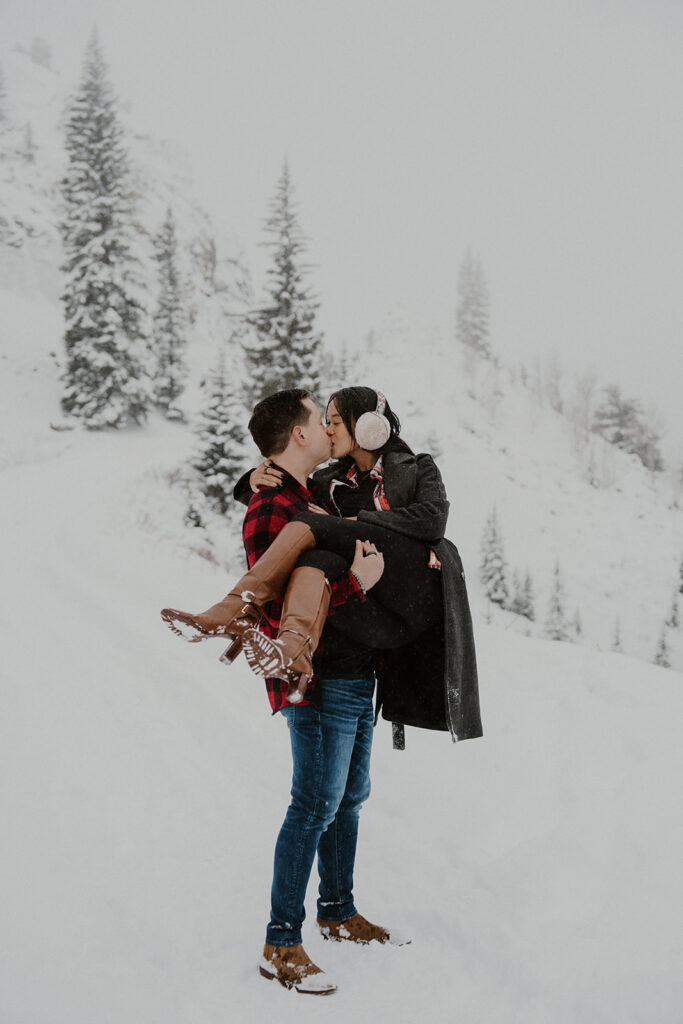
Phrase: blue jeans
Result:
[330,781]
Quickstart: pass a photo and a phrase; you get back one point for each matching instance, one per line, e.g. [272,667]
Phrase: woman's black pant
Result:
[405,602]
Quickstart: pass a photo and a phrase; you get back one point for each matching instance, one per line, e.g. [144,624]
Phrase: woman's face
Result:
[343,443]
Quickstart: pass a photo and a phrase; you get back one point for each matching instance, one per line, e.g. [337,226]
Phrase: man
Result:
[330,729]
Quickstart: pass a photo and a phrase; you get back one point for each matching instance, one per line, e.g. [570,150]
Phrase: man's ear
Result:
[298,436]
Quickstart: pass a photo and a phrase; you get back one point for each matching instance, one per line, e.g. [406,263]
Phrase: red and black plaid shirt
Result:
[268,511]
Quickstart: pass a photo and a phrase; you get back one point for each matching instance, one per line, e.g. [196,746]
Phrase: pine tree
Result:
[516,601]
[472,314]
[621,422]
[662,653]
[673,621]
[577,625]
[220,452]
[342,368]
[556,624]
[528,598]
[286,352]
[522,601]
[680,577]
[106,322]
[169,325]
[493,562]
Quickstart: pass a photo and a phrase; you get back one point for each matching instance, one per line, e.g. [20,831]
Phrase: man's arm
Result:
[263,475]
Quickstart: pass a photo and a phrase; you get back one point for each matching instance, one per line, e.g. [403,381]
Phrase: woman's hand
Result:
[312,507]
[265,475]
[368,564]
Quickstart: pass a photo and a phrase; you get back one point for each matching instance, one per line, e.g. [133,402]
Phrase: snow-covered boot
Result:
[357,929]
[289,656]
[293,968]
[242,608]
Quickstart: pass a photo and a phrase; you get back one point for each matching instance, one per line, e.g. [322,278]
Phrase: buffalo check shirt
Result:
[268,511]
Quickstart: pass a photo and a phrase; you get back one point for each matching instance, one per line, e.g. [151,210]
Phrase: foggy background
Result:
[546,136]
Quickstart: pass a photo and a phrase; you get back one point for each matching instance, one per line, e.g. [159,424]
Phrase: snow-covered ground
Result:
[537,869]
[143,784]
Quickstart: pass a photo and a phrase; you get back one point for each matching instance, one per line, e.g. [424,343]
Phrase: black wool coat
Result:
[431,683]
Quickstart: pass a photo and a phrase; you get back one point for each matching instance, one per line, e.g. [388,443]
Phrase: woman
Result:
[417,613]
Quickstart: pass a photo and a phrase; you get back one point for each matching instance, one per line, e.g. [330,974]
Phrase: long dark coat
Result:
[431,683]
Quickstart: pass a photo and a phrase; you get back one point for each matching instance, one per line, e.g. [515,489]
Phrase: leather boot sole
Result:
[266,657]
[186,626]
[328,989]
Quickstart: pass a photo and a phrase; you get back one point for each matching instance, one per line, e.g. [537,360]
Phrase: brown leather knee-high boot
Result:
[290,655]
[242,608]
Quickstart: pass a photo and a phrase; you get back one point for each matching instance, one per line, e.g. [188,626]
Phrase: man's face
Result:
[318,443]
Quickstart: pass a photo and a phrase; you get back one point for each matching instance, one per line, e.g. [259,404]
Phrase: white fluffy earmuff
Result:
[373,429]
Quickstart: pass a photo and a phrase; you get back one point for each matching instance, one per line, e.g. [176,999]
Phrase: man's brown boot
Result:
[355,929]
[290,655]
[242,608]
[293,968]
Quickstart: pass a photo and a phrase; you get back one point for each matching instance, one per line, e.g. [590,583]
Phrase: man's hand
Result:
[318,509]
[265,475]
[368,564]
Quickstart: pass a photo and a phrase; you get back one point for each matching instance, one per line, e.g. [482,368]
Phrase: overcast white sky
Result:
[546,135]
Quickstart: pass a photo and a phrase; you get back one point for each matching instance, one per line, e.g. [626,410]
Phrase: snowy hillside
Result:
[143,783]
[615,528]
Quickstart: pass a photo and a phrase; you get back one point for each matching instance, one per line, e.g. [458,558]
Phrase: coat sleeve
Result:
[242,491]
[426,516]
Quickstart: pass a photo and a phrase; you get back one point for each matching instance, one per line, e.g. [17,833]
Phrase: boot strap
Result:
[306,639]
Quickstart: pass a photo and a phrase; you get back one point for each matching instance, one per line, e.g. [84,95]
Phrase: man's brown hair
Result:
[274,418]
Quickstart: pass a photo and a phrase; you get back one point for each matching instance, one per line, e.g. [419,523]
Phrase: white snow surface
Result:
[537,869]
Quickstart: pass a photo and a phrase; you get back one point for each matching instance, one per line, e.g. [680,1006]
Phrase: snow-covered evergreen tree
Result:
[169,325]
[472,313]
[680,577]
[577,624]
[107,327]
[515,604]
[220,451]
[621,422]
[522,600]
[528,598]
[673,621]
[662,652]
[556,627]
[493,570]
[286,351]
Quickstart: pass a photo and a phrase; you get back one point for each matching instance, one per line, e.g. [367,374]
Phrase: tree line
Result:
[559,624]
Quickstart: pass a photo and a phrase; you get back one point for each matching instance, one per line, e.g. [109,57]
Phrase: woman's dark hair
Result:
[351,403]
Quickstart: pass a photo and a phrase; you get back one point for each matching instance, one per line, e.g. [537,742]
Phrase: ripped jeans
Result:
[330,781]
